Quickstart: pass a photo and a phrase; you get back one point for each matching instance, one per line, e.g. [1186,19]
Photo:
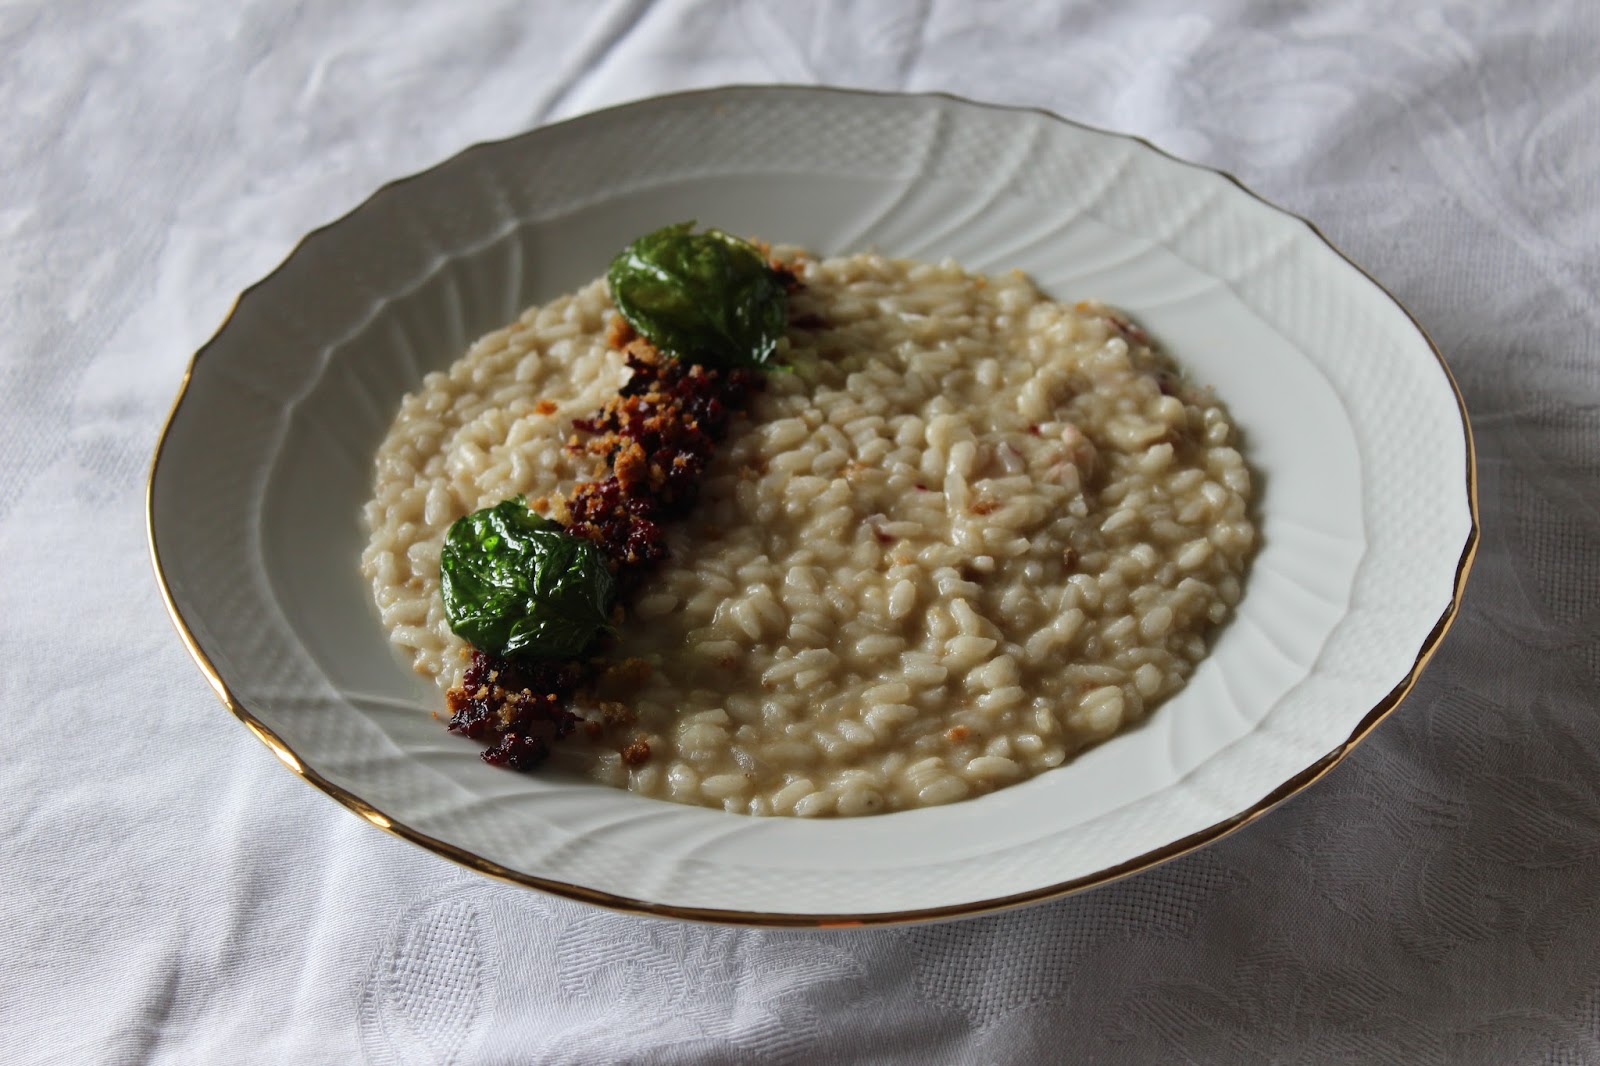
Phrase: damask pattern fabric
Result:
[171,895]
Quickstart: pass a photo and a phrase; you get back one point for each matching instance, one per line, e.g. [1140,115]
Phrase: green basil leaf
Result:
[702,297]
[517,584]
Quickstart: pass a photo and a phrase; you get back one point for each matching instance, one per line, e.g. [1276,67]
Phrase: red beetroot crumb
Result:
[517,708]
[660,432]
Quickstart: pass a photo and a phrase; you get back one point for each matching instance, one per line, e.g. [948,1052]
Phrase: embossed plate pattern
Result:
[1350,420]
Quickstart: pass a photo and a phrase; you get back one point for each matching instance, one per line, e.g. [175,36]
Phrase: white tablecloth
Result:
[170,894]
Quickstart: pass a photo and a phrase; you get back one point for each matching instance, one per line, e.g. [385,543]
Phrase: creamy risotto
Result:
[973,532]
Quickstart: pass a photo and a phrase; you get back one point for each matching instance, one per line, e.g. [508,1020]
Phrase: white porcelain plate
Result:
[1351,423]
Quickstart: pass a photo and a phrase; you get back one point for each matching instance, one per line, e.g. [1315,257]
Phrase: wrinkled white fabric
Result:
[171,895]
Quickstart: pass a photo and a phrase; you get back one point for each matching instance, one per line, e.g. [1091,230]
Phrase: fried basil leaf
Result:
[517,584]
[703,297]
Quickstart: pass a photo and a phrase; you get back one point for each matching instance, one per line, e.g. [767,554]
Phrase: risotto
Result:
[971,533]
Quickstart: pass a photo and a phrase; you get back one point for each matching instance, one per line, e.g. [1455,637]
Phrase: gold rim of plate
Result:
[628,905]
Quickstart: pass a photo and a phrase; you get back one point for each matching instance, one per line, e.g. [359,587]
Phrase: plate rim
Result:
[720,916]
